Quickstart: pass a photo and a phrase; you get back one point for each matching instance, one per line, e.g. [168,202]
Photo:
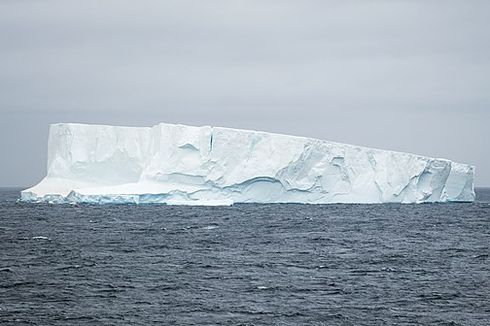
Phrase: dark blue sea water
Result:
[244,265]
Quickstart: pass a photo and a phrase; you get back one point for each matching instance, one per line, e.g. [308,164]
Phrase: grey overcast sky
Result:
[403,75]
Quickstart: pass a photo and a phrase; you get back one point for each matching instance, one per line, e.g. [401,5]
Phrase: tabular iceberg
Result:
[178,164]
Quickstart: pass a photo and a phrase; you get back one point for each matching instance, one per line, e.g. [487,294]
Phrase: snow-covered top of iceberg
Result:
[178,164]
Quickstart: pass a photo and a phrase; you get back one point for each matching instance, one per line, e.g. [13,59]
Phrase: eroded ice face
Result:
[177,164]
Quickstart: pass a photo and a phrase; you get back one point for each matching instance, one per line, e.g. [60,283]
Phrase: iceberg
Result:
[187,165]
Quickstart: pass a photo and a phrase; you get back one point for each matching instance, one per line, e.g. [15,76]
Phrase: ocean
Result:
[278,264]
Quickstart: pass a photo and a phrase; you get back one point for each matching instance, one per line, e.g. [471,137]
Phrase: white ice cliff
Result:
[177,164]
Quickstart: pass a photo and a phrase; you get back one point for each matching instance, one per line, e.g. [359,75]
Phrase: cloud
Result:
[289,66]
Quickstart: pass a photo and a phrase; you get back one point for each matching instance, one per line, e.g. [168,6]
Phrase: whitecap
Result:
[40,237]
